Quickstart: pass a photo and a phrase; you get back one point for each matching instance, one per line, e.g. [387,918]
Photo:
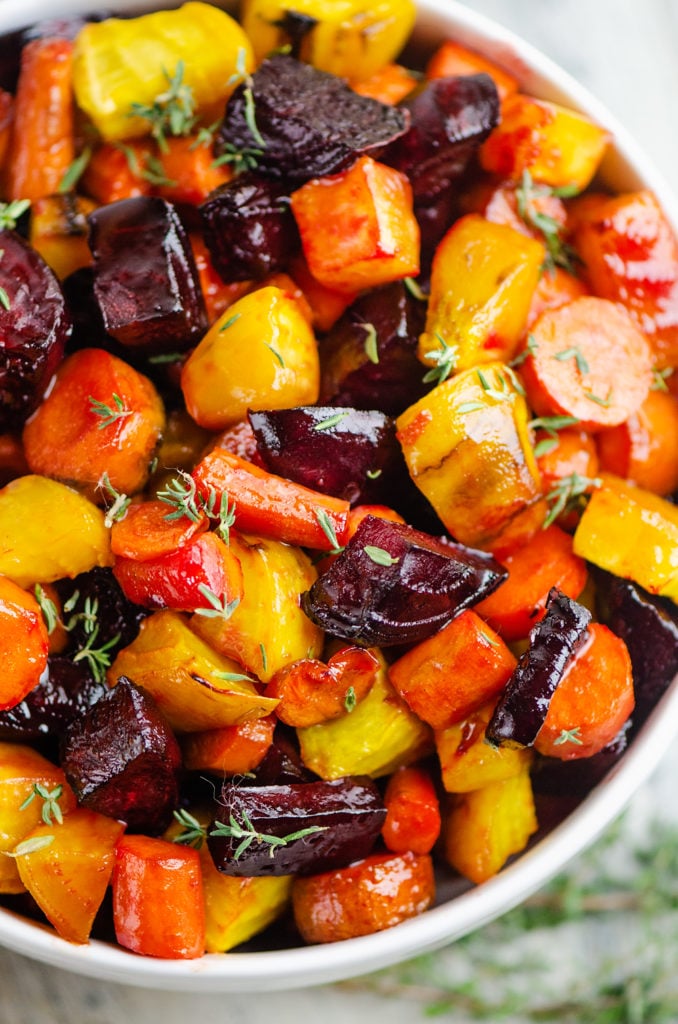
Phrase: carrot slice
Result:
[573,454]
[589,361]
[644,449]
[548,561]
[412,812]
[190,172]
[592,701]
[24,643]
[146,533]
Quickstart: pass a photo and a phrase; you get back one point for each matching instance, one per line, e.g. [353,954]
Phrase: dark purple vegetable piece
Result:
[524,703]
[345,815]
[116,617]
[34,327]
[329,449]
[308,123]
[249,228]
[66,691]
[395,585]
[145,278]
[577,777]
[449,119]
[122,759]
[282,763]
[351,378]
[648,625]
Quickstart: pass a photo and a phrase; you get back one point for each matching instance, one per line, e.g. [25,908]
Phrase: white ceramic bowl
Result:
[625,168]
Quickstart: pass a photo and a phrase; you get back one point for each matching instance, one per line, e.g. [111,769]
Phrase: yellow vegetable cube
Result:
[467,762]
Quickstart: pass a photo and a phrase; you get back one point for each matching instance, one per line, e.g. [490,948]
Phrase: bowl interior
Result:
[461,908]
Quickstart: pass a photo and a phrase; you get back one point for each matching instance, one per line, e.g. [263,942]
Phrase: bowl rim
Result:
[306,966]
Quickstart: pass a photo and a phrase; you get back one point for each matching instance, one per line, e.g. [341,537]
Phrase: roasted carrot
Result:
[217,294]
[232,750]
[574,457]
[390,84]
[43,144]
[6,118]
[24,643]
[547,561]
[116,172]
[158,905]
[555,288]
[589,361]
[326,304]
[412,811]
[189,171]
[644,449]
[147,532]
[272,506]
[454,59]
[500,204]
[311,691]
[592,701]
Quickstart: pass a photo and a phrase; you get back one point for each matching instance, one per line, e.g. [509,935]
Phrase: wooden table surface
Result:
[625,52]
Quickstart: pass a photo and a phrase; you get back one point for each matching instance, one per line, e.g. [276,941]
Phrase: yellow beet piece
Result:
[119,62]
[268,629]
[260,354]
[380,735]
[238,908]
[351,38]
[483,279]
[467,762]
[467,447]
[484,828]
[48,531]
[59,231]
[558,146]
[632,533]
[194,686]
[21,768]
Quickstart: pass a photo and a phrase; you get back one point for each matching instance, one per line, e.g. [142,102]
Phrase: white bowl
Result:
[625,168]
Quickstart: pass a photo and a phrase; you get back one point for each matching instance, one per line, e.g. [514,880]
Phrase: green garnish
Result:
[193,833]
[444,361]
[181,495]
[569,736]
[50,803]
[567,495]
[331,421]
[219,608]
[558,253]
[48,609]
[75,171]
[229,323]
[121,502]
[247,834]
[30,846]
[573,353]
[350,700]
[370,346]
[10,213]
[660,377]
[326,525]
[109,414]
[414,289]
[379,556]
[172,112]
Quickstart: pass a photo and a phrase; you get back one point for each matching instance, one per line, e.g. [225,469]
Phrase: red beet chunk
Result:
[449,119]
[524,704]
[122,759]
[345,815]
[34,327]
[249,228]
[66,691]
[309,123]
[395,585]
[329,449]
[393,380]
[145,278]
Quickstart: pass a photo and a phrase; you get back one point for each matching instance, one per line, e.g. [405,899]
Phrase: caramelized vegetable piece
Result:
[340,821]
[249,229]
[43,140]
[12,458]
[34,327]
[48,531]
[236,909]
[96,595]
[122,759]
[484,828]
[117,172]
[24,643]
[59,232]
[311,692]
[146,533]
[120,62]
[449,119]
[644,449]
[21,769]
[376,893]
[468,762]
[145,279]
[195,687]
[68,876]
[412,812]
[338,451]
[189,170]
[231,750]
[453,59]
[453,672]
[357,227]
[523,707]
[395,585]
[6,119]
[592,701]
[260,354]
[390,84]
[101,422]
[308,123]
[66,691]
[150,874]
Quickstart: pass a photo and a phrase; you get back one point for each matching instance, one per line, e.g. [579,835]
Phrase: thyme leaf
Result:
[380,556]
[247,834]
[172,112]
[444,361]
[567,495]
[11,212]
[50,803]
[558,253]
[327,526]
[193,833]
[109,414]
[219,607]
[47,607]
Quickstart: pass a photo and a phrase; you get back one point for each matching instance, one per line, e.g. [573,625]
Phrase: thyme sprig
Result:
[558,252]
[327,526]
[120,503]
[245,831]
[11,212]
[568,494]
[48,609]
[50,810]
[193,834]
[181,494]
[240,160]
[444,359]
[172,112]
[219,607]
[109,414]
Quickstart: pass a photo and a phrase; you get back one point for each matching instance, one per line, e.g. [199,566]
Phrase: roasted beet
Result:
[34,327]
[249,228]
[648,625]
[145,278]
[449,119]
[122,759]
[345,817]
[308,123]
[391,381]
[65,691]
[99,592]
[524,704]
[343,452]
[395,585]
[282,763]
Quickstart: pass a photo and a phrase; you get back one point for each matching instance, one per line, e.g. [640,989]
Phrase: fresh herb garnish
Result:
[47,607]
[121,502]
[444,361]
[98,658]
[30,846]
[529,350]
[414,289]
[370,345]
[241,160]
[10,213]
[568,494]
[223,513]
[193,832]
[379,556]
[569,736]
[181,494]
[75,171]
[605,402]
[234,677]
[247,834]
[172,112]
[551,425]
[109,414]
[576,354]
[50,803]
[276,354]
[4,299]
[219,608]
[264,657]
[331,421]
[162,358]
[373,474]
[660,377]
[229,323]
[350,700]
[326,525]
[558,253]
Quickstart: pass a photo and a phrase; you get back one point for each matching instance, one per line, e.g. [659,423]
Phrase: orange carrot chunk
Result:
[231,750]
[23,643]
[453,59]
[146,533]
[412,812]
[589,361]
[311,692]
[390,84]
[644,449]
[592,701]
